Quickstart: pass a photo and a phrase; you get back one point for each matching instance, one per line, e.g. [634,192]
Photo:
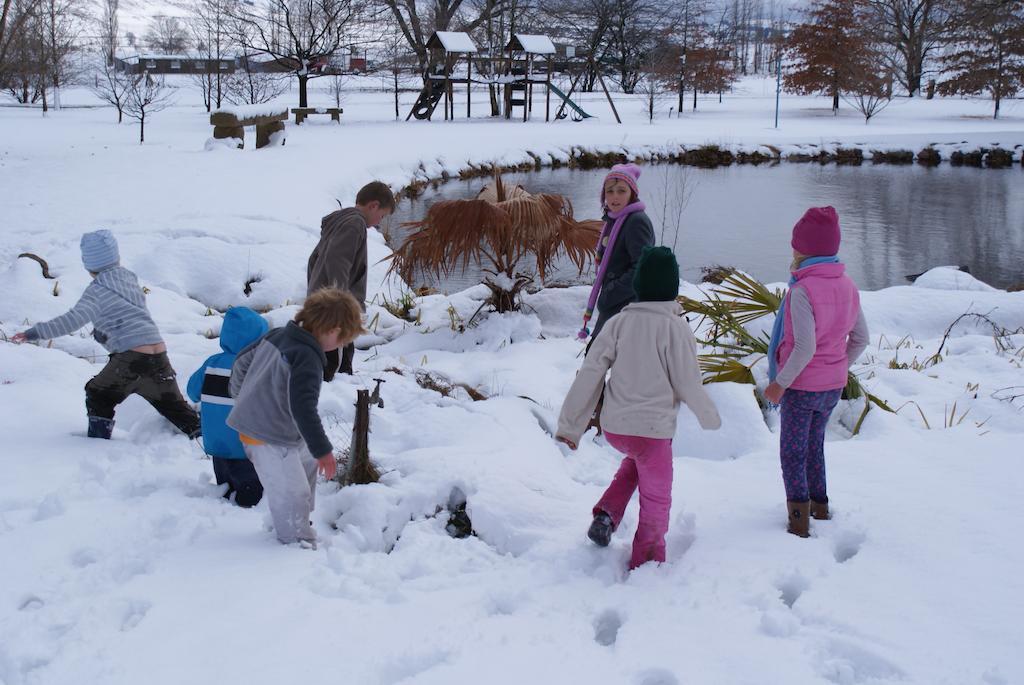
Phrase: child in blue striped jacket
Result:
[209,386]
[116,307]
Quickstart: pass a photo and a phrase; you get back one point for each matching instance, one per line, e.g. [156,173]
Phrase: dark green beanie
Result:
[657,275]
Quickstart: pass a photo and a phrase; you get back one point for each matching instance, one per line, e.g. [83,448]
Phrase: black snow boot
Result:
[100,427]
[601,529]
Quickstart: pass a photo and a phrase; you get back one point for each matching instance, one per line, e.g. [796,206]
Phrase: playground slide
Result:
[572,105]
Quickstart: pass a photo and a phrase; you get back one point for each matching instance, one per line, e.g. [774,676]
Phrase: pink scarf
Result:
[602,264]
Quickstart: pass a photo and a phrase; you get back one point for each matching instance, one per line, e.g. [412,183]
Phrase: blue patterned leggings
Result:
[802,443]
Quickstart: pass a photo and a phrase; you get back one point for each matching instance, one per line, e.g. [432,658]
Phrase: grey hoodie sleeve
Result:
[805,341]
[84,311]
[307,374]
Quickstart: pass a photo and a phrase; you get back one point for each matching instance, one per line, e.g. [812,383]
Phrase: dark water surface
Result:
[896,220]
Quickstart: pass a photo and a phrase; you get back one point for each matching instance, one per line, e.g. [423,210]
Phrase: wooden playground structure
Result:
[525,64]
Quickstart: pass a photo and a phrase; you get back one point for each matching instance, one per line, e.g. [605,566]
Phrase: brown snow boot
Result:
[819,510]
[799,518]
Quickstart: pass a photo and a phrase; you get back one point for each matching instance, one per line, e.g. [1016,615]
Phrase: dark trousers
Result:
[242,481]
[802,443]
[339,361]
[148,375]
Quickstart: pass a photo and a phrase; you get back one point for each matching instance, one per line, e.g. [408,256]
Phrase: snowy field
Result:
[120,564]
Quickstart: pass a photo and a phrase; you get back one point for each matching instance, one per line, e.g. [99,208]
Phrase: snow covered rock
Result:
[950,278]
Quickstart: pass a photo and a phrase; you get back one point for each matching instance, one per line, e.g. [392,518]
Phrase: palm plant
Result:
[728,309]
[495,231]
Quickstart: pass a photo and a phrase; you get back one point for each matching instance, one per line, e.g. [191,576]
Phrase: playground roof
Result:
[528,42]
[452,41]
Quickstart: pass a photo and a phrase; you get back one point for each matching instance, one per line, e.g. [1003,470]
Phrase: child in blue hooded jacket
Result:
[209,386]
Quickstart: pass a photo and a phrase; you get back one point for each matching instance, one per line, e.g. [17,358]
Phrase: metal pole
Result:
[778,82]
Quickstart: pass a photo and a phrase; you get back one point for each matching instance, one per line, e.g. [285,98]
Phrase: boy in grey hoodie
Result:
[114,303]
[276,385]
[339,260]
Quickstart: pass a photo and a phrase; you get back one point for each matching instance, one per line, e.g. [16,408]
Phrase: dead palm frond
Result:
[729,307]
[494,232]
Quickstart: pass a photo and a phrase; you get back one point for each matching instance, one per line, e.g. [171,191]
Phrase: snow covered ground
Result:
[119,563]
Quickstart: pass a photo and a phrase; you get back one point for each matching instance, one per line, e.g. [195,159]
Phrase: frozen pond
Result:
[896,220]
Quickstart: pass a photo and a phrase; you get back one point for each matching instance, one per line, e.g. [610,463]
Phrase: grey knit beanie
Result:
[99,250]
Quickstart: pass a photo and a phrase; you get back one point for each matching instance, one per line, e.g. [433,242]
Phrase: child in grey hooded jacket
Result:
[115,305]
[276,385]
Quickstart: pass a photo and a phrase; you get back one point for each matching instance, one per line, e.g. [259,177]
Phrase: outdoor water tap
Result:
[375,397]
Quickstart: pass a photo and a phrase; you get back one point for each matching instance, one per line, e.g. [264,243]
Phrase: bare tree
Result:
[13,17]
[914,29]
[335,85]
[301,35]
[166,34]
[670,192]
[418,19]
[23,57]
[108,28]
[111,86]
[61,23]
[584,23]
[393,60]
[145,97]
[658,74]
[869,78]
[249,87]
[986,52]
[211,28]
[637,27]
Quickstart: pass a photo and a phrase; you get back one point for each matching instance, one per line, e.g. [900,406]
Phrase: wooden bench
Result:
[232,123]
[302,112]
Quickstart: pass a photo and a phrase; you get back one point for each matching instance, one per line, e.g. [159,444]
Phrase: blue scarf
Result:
[780,316]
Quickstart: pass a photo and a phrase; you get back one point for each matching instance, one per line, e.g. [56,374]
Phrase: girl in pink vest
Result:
[819,331]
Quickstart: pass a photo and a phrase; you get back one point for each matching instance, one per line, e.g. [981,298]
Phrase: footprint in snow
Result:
[656,676]
[791,587]
[606,628]
[135,611]
[846,663]
[85,556]
[846,545]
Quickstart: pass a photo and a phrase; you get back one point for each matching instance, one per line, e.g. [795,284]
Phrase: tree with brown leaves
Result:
[986,50]
[828,49]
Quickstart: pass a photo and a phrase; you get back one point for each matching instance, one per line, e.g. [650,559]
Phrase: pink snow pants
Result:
[648,464]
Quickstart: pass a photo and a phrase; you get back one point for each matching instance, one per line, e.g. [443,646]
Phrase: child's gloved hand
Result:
[19,338]
[567,441]
[773,393]
[327,465]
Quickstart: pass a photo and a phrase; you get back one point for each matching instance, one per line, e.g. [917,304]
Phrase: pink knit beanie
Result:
[817,233]
[627,173]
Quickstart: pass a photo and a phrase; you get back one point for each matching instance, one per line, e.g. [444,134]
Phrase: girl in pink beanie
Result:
[627,231]
[819,331]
